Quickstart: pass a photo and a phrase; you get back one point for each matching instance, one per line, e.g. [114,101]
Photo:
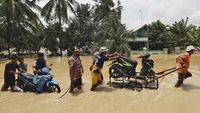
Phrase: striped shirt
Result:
[75,66]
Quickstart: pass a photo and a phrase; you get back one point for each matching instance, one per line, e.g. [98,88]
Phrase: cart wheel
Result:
[133,85]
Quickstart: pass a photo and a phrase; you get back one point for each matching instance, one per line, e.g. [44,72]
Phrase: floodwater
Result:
[167,99]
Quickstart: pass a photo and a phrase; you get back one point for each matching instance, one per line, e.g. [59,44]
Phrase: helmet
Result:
[189,48]
[103,49]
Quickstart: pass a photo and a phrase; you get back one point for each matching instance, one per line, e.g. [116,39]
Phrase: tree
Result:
[51,38]
[102,9]
[113,34]
[158,35]
[58,10]
[194,37]
[18,19]
[82,26]
[180,31]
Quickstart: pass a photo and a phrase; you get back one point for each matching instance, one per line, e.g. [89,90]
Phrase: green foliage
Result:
[180,31]
[113,34]
[194,37]
[93,27]
[158,35]
[81,27]
[51,38]
[102,9]
[57,11]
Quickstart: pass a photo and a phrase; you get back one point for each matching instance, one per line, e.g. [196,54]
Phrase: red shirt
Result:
[185,59]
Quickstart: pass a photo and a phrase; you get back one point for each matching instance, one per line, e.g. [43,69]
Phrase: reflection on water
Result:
[108,100]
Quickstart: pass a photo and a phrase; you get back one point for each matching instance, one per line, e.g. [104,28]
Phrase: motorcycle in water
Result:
[122,67]
[40,82]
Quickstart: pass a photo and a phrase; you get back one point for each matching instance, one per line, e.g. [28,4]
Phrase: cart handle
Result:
[170,72]
[162,72]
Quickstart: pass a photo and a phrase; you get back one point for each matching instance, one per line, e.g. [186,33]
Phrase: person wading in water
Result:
[183,60]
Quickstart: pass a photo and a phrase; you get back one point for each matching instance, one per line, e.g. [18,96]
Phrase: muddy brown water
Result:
[166,99]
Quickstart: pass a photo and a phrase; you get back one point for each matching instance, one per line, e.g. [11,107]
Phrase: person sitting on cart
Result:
[183,60]
[98,65]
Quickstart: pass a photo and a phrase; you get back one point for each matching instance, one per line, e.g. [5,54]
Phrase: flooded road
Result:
[167,99]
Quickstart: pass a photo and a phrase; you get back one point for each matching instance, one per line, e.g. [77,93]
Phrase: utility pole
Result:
[140,11]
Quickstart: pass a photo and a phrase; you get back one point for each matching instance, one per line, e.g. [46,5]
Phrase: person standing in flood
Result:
[39,63]
[22,65]
[76,70]
[9,75]
[183,60]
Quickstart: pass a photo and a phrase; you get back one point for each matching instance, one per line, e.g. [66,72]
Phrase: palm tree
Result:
[58,10]
[18,17]
[180,30]
[113,34]
[82,26]
[102,9]
[194,37]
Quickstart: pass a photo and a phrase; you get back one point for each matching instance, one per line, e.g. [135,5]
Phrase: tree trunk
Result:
[9,32]
[61,54]
[9,53]
[18,51]
[59,32]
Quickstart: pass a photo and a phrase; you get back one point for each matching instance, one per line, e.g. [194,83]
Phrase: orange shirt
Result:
[184,58]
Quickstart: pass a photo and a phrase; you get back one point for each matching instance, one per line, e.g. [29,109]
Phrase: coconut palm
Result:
[57,10]
[113,34]
[18,17]
[82,26]
[102,9]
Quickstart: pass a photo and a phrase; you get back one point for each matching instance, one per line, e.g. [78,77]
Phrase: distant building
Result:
[140,39]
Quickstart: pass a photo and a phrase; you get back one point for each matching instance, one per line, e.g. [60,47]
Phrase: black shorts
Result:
[77,82]
[9,80]
[182,76]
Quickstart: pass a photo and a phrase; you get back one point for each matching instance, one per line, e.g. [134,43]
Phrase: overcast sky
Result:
[168,11]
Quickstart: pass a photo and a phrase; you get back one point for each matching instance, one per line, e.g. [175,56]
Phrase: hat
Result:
[76,49]
[103,49]
[189,48]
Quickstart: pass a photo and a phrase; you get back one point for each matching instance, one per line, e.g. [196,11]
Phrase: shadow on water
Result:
[77,92]
[104,89]
[188,87]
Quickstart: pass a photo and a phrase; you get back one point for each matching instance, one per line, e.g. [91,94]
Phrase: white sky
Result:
[168,11]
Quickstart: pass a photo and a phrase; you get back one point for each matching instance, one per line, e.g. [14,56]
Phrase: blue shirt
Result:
[100,59]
